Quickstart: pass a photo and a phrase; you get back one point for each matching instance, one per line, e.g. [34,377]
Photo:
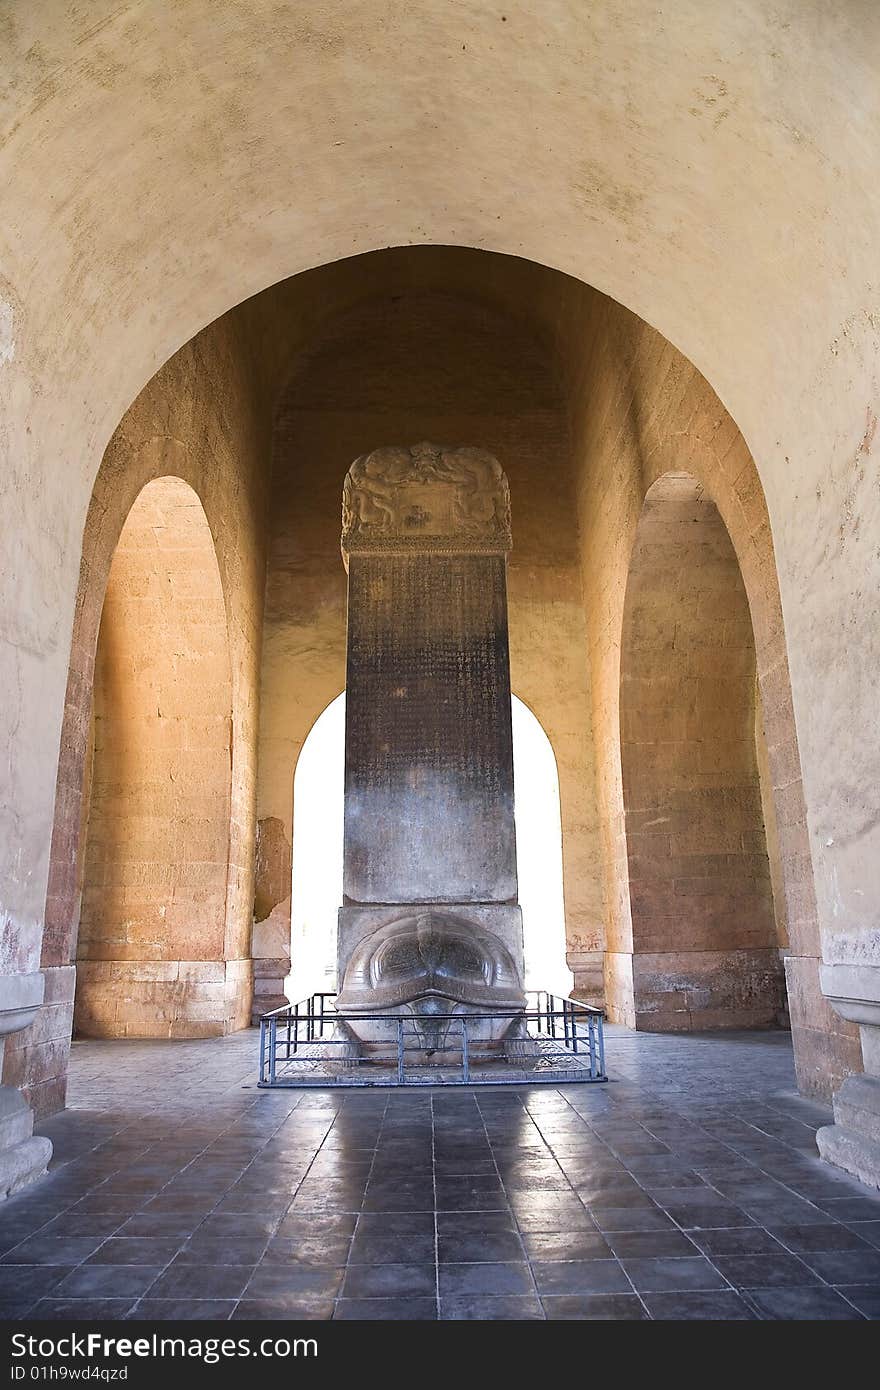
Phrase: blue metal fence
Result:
[300,1046]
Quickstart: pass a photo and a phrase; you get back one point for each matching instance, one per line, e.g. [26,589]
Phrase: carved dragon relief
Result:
[426,498]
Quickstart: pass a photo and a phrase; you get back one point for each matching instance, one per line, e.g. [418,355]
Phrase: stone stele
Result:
[430,922]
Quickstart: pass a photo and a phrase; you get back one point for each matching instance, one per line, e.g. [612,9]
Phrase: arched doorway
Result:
[156,805]
[705,946]
[317,853]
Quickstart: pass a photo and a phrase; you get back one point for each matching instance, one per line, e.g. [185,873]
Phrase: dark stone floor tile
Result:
[665,1275]
[286,1280]
[468,1167]
[343,1196]
[182,1310]
[650,1244]
[466,1223]
[391,1280]
[97,1224]
[485,1279]
[566,1245]
[740,1240]
[52,1250]
[633,1219]
[136,1250]
[261,1203]
[107,1281]
[481,1308]
[313,1250]
[751,1189]
[579,1277]
[386,1309]
[210,1251]
[540,1217]
[81,1309]
[606,1191]
[817,1304]
[467,1196]
[716,1216]
[714,1306]
[13,1309]
[479,1246]
[284,1309]
[636,1199]
[851,1208]
[27,1283]
[17,1280]
[529,1182]
[181,1280]
[191,1208]
[107,1202]
[780,1270]
[867,1230]
[600,1307]
[846,1266]
[397,1201]
[830,1237]
[865,1297]
[685,1181]
[234,1225]
[317,1226]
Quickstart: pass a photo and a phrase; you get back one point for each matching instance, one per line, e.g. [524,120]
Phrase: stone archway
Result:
[223,379]
[634,390]
[197,421]
[705,949]
[151,942]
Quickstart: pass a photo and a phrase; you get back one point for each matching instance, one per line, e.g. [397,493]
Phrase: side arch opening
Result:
[706,950]
[151,946]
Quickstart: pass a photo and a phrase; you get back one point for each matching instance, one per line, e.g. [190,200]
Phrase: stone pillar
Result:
[23,1155]
[853,1141]
[429,880]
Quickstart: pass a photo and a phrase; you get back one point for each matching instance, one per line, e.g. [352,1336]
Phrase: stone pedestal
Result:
[429,872]
[853,1141]
[23,1156]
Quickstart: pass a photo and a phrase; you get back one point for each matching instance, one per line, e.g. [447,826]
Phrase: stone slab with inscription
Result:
[429,851]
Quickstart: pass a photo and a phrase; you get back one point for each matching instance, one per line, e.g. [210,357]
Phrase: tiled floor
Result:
[688,1187]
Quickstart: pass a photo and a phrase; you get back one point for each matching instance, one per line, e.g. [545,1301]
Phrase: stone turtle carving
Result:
[427,964]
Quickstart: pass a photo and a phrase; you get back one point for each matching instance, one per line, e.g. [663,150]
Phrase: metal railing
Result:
[296,1040]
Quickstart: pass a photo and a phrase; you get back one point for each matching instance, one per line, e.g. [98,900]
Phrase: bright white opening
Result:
[317,854]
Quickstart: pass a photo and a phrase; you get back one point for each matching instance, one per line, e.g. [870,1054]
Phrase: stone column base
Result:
[853,1141]
[23,1155]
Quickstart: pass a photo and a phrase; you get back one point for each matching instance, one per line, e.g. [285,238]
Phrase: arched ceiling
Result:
[703,163]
